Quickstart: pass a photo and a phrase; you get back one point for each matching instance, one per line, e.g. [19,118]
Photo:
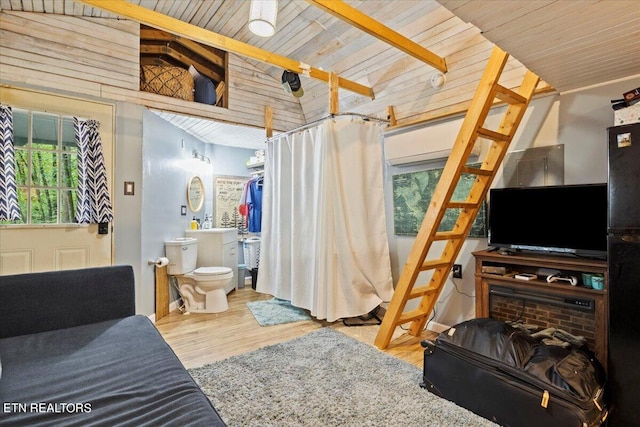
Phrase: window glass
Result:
[44,206]
[46,157]
[45,131]
[44,168]
[24,206]
[69,159]
[68,202]
[20,128]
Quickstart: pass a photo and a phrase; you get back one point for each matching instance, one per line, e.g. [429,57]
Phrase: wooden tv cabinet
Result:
[488,283]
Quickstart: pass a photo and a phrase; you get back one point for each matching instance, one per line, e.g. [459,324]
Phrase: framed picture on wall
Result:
[412,194]
[227,194]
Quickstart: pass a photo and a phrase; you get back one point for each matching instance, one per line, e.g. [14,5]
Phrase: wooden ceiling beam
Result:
[159,50]
[175,26]
[163,36]
[354,17]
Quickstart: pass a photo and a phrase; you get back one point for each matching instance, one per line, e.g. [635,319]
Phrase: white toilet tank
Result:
[182,253]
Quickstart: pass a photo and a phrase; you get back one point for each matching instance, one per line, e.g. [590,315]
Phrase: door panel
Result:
[32,248]
[15,261]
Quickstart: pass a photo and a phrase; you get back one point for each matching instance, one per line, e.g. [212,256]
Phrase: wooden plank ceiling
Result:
[569,43]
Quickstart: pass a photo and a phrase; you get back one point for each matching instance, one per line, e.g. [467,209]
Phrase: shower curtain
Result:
[324,240]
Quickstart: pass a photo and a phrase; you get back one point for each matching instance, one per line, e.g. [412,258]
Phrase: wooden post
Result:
[334,106]
[162,292]
[391,115]
[268,121]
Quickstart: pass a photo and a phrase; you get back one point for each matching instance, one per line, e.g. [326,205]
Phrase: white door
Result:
[47,246]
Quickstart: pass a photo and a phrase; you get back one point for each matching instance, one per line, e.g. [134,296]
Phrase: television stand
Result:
[541,303]
[505,252]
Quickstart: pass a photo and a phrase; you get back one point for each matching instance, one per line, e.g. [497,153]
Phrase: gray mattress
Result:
[112,373]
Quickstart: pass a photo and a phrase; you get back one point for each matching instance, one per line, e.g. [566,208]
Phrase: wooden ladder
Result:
[472,129]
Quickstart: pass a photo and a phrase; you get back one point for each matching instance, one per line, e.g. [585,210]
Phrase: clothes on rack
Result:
[251,204]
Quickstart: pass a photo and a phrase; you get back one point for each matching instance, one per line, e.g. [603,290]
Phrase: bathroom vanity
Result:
[218,247]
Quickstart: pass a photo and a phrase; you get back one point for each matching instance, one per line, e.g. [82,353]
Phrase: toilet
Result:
[202,289]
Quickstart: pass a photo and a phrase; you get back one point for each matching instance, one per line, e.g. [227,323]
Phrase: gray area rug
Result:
[325,378]
[276,312]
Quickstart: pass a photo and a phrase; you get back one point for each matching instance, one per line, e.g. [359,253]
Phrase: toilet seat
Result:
[211,271]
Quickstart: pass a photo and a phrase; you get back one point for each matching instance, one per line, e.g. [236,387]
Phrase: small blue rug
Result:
[276,312]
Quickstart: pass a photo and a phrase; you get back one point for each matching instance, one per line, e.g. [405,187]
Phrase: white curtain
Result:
[324,241]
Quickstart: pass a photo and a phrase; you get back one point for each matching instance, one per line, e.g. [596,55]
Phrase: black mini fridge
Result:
[623,256]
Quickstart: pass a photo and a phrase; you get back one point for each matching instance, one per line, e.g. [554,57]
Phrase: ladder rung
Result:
[488,91]
[422,291]
[463,205]
[493,135]
[410,316]
[509,96]
[432,265]
[476,171]
[448,235]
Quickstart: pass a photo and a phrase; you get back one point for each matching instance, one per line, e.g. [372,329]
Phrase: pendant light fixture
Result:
[262,17]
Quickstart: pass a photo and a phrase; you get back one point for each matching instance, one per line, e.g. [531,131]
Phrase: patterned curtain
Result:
[9,208]
[94,202]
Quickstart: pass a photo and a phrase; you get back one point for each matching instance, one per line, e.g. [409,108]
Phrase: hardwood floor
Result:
[198,339]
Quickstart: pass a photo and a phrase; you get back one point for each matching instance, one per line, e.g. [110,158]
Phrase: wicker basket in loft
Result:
[167,80]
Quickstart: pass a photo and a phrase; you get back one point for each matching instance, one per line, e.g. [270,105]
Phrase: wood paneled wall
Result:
[99,57]
[79,55]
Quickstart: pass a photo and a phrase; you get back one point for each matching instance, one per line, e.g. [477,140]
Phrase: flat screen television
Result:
[564,219]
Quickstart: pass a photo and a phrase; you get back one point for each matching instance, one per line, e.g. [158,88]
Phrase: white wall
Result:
[578,120]
[127,245]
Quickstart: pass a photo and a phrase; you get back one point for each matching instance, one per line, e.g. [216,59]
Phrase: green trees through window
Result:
[46,157]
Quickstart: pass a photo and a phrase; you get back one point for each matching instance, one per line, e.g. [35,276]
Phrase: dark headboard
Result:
[38,302]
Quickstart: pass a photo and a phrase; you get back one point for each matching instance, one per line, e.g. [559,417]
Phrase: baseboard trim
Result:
[432,326]
[172,306]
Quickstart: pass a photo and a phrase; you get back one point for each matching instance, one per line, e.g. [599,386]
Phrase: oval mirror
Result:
[195,193]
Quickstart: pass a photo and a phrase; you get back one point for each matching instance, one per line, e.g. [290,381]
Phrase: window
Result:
[46,157]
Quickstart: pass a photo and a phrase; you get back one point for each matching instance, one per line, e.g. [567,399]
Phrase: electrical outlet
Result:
[457,271]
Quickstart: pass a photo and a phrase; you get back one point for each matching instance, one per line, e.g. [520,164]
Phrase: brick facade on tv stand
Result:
[576,322]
